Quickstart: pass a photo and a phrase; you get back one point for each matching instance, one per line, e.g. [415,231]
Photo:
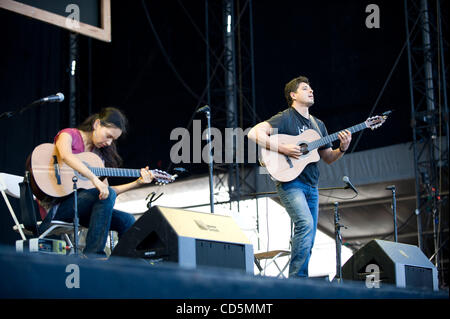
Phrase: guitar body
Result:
[284,168]
[52,177]
[45,175]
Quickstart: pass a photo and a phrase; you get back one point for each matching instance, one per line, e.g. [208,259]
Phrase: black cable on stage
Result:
[336,197]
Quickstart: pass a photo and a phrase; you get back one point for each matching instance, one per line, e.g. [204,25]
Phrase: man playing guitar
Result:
[299,196]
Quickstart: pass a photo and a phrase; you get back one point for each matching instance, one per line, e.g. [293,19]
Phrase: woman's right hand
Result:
[102,188]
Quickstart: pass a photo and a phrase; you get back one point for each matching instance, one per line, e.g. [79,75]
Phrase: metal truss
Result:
[429,122]
[230,78]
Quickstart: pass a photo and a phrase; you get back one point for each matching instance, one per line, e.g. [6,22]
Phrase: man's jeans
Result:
[97,215]
[301,202]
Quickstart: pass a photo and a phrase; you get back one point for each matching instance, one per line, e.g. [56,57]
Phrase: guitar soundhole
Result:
[304,148]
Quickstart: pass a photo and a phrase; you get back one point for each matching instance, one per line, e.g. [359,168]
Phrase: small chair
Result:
[9,185]
[272,256]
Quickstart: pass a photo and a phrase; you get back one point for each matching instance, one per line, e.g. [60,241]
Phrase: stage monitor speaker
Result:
[188,238]
[399,264]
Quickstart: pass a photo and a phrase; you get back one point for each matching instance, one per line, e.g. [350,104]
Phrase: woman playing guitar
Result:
[97,134]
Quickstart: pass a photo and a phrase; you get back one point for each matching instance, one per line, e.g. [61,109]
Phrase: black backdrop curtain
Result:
[33,65]
[346,62]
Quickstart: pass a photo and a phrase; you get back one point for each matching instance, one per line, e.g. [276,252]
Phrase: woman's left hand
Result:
[146,176]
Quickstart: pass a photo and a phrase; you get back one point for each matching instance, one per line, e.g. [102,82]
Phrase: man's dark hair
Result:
[292,86]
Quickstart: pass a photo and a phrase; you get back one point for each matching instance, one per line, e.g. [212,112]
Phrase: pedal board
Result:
[42,245]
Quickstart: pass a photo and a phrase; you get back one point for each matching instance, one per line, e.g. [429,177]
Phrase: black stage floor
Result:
[49,276]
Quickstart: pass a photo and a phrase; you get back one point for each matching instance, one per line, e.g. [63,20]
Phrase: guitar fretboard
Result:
[333,137]
[115,172]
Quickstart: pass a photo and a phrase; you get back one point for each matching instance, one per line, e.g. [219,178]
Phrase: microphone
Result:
[58,97]
[346,180]
[203,109]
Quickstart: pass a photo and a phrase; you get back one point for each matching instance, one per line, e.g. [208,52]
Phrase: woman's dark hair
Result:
[109,117]
[292,86]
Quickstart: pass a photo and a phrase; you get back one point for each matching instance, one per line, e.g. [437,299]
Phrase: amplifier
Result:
[188,238]
[393,263]
[42,245]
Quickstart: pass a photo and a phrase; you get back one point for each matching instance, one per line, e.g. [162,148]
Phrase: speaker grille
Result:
[217,254]
[418,277]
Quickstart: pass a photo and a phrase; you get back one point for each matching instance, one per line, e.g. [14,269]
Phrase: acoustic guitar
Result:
[284,168]
[54,177]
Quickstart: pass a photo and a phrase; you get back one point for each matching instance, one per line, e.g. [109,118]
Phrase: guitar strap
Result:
[314,123]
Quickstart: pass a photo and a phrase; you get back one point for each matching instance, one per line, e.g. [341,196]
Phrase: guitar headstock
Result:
[162,177]
[377,120]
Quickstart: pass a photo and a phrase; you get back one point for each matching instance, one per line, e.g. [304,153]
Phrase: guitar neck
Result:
[115,172]
[333,137]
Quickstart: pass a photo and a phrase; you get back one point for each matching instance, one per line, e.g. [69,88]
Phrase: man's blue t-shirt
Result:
[292,122]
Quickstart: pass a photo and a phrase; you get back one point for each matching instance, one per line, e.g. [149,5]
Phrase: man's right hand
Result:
[291,150]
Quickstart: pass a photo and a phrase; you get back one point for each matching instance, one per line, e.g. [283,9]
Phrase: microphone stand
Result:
[9,114]
[338,239]
[206,110]
[394,210]
[337,235]
[211,186]
[75,216]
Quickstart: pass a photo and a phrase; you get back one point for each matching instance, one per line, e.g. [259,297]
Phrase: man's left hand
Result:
[345,137]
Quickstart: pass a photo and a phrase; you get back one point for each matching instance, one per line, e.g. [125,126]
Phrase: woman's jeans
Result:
[97,215]
[301,202]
